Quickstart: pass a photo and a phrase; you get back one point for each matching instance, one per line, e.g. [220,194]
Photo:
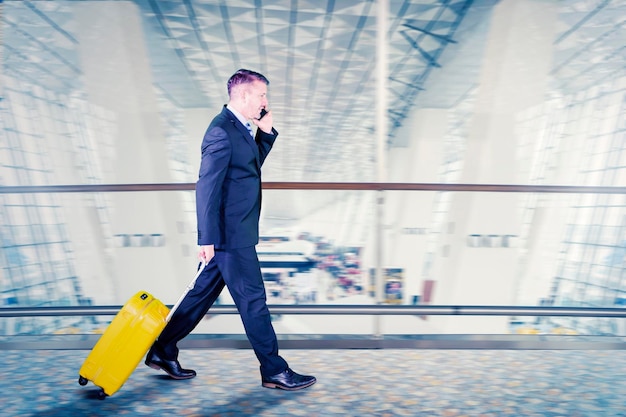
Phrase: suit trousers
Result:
[240,271]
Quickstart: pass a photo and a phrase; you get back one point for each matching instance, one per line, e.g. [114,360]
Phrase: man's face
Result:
[255,99]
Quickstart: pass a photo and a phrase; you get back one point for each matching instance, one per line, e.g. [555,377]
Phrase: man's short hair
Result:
[244,76]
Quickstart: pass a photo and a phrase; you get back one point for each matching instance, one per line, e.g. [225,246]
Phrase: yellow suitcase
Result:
[126,340]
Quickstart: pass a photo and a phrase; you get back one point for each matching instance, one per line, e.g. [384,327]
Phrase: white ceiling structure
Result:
[320,57]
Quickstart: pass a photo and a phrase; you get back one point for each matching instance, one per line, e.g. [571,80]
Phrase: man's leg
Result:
[242,274]
[164,352]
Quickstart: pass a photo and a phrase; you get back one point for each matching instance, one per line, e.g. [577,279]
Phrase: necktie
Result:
[249,129]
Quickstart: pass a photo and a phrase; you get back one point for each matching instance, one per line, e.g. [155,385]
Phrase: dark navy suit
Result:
[228,200]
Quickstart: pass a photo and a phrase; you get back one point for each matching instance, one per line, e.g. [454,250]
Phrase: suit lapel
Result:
[245,136]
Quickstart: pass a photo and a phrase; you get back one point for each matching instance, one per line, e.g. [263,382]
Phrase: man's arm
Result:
[213,166]
[265,134]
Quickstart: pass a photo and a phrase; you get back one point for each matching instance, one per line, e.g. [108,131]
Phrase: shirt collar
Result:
[238,115]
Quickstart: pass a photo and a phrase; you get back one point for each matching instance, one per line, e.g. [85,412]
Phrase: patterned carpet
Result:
[402,382]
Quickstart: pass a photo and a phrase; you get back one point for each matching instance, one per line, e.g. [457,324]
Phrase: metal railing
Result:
[357,186]
[319,309]
[344,341]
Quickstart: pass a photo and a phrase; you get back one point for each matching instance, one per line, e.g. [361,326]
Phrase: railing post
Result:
[381,141]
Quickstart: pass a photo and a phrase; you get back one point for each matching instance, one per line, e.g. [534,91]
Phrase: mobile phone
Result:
[263,113]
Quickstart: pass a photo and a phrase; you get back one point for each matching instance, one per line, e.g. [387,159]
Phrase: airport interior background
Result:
[449,174]
[433,157]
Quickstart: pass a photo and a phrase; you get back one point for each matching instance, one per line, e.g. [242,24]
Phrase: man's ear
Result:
[245,93]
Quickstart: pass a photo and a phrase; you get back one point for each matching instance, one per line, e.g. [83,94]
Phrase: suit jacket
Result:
[228,190]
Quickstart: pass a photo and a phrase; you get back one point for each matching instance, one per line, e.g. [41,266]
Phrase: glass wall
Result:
[99,92]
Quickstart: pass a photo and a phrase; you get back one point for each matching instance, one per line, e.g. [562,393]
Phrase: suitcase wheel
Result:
[101,394]
[82,380]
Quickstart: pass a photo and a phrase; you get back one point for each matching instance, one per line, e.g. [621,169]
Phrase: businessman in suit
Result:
[228,205]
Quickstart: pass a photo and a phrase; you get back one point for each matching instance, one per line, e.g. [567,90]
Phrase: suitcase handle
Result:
[189,288]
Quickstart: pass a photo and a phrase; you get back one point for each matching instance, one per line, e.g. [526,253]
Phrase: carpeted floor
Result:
[385,382]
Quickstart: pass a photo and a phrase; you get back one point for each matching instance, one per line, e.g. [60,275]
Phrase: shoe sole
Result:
[158,368]
[278,386]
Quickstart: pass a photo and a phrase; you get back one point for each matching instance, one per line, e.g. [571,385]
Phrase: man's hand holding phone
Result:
[265,121]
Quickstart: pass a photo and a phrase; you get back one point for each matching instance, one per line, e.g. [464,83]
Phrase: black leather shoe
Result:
[172,368]
[288,380]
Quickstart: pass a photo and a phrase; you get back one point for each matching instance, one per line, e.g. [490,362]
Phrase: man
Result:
[228,203]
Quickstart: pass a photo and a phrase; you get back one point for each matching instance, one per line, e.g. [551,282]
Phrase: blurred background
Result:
[507,92]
